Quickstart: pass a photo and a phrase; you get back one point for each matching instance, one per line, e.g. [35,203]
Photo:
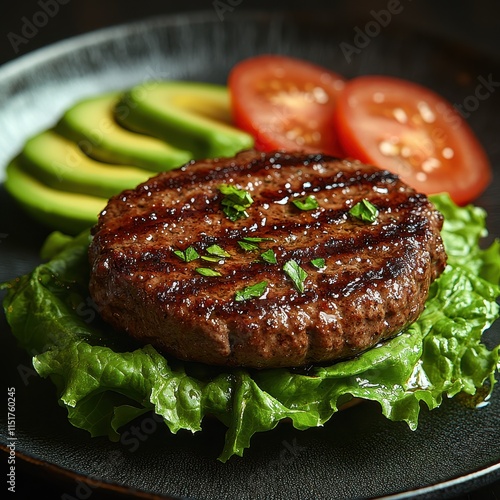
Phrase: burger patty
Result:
[289,277]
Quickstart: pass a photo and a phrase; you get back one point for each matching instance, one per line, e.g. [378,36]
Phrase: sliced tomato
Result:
[410,130]
[286,103]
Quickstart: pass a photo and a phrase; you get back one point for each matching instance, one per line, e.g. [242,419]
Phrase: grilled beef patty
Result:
[374,281]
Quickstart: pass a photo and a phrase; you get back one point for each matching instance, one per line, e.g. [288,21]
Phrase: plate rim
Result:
[99,35]
[478,478]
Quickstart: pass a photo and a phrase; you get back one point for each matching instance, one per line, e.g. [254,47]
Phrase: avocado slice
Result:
[61,164]
[92,125]
[67,212]
[189,115]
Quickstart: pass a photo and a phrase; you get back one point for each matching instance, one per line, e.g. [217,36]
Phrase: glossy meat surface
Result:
[374,281]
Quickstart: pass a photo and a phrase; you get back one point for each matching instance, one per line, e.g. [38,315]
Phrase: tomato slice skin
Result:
[286,103]
[412,131]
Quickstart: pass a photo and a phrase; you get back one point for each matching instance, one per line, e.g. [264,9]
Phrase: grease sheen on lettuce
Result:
[105,382]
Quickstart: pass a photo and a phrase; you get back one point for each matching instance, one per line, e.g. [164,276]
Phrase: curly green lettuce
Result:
[105,382]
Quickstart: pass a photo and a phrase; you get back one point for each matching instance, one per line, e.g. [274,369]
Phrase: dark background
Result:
[26,26]
[474,22]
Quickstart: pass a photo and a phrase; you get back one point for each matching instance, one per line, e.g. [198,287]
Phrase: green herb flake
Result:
[207,271]
[210,258]
[365,211]
[296,274]
[318,263]
[187,255]
[254,239]
[308,203]
[269,256]
[248,247]
[235,201]
[251,292]
[218,251]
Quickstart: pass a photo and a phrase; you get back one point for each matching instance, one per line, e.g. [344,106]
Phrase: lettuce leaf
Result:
[105,381]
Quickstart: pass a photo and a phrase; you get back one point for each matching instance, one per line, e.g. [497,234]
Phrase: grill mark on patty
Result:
[350,241]
[289,223]
[363,181]
[341,283]
[189,176]
[211,204]
[326,286]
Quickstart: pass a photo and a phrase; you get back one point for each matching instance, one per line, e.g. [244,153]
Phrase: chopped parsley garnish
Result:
[250,243]
[206,271]
[248,247]
[319,263]
[252,291]
[296,274]
[210,258]
[187,255]
[235,201]
[309,203]
[218,251]
[255,239]
[269,256]
[365,211]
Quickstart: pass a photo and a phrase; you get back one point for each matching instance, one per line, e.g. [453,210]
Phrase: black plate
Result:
[359,453]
